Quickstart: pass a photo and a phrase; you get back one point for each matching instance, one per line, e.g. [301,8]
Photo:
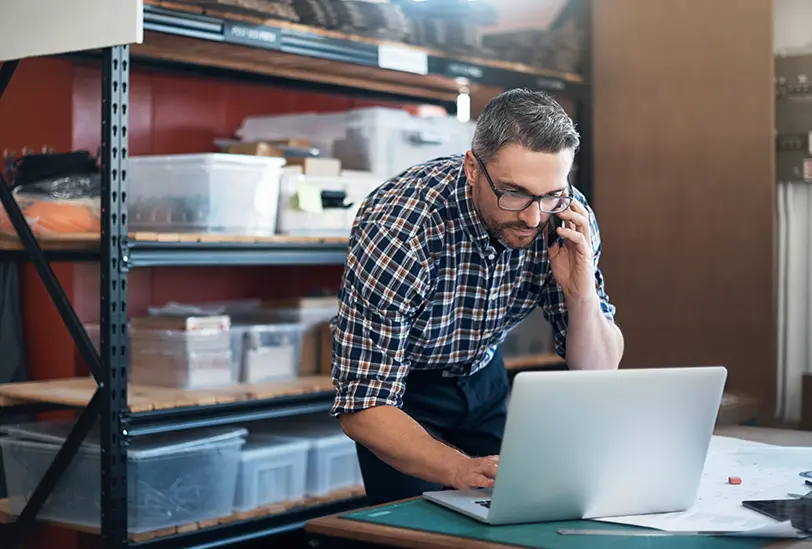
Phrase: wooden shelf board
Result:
[90,241]
[7,517]
[142,236]
[193,51]
[72,241]
[522,362]
[224,13]
[141,398]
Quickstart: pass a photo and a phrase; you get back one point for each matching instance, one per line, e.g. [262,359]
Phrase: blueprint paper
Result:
[767,472]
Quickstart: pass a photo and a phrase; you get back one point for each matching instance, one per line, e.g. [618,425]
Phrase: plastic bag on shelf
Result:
[58,205]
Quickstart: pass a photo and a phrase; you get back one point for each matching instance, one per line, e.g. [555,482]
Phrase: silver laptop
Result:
[593,444]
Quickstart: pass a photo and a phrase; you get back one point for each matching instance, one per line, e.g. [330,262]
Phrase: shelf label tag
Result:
[400,58]
[550,84]
[252,35]
[465,70]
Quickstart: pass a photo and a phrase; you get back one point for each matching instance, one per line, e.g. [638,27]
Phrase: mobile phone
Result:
[798,511]
[554,222]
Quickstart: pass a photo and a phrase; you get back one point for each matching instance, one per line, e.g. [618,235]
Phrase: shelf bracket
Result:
[46,274]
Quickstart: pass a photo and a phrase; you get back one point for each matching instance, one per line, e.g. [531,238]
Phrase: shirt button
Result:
[491,256]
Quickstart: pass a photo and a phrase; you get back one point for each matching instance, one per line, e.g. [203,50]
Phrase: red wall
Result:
[57,102]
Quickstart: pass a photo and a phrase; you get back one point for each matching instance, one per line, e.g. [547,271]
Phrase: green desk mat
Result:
[422,515]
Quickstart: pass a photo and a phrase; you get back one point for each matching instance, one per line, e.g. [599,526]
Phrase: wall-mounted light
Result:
[464,105]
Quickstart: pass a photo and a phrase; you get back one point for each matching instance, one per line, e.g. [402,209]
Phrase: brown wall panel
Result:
[684,182]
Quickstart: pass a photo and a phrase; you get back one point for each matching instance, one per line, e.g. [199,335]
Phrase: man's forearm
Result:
[403,443]
[593,341]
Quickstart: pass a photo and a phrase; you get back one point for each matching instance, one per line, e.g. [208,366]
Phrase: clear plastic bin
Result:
[267,351]
[292,220]
[204,193]
[271,471]
[190,371]
[382,140]
[195,359]
[178,342]
[311,313]
[332,462]
[388,141]
[173,480]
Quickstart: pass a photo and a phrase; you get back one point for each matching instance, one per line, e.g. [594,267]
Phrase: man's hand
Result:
[396,438]
[475,473]
[593,342]
[573,262]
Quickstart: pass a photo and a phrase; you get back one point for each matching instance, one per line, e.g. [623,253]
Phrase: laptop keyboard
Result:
[486,503]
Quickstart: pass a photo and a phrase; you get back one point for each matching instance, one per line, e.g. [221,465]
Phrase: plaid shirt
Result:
[424,287]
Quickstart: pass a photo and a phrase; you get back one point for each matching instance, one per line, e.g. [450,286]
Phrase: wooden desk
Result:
[352,532]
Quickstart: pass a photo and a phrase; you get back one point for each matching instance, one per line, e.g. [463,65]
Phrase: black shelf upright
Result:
[109,368]
[113,325]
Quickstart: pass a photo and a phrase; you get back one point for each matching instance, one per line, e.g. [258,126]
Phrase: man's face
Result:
[518,170]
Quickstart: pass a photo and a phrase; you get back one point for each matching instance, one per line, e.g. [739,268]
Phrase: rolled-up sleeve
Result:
[553,303]
[383,285]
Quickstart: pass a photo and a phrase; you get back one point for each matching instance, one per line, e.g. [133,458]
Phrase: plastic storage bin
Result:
[195,359]
[330,221]
[332,462]
[191,371]
[388,141]
[204,193]
[267,351]
[271,471]
[375,139]
[312,314]
[173,480]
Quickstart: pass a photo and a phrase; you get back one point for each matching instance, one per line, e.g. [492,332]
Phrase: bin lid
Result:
[316,430]
[207,159]
[55,432]
[259,445]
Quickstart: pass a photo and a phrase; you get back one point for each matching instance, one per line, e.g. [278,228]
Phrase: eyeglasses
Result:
[516,202]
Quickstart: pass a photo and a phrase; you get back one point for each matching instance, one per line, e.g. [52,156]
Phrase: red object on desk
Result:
[734,480]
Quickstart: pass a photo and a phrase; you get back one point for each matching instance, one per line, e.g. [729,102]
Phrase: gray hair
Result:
[531,119]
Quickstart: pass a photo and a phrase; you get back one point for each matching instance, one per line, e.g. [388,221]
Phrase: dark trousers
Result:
[467,412]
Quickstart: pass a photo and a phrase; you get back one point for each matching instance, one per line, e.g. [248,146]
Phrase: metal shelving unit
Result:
[118,252]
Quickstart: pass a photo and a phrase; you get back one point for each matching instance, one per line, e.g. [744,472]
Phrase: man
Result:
[443,261]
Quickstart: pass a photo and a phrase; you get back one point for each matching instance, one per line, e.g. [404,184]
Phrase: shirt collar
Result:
[473,224]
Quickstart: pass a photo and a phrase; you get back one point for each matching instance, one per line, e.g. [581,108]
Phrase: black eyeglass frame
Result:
[567,199]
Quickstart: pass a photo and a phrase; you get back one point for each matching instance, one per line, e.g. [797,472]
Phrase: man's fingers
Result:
[578,207]
[481,481]
[573,236]
[578,220]
[487,469]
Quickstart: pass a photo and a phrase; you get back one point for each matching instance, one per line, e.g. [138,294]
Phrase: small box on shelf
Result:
[311,315]
[183,352]
[266,352]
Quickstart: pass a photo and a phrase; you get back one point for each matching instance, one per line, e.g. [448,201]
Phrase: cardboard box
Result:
[254,149]
[324,167]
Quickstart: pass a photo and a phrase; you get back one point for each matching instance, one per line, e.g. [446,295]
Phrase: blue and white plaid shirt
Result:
[425,288]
